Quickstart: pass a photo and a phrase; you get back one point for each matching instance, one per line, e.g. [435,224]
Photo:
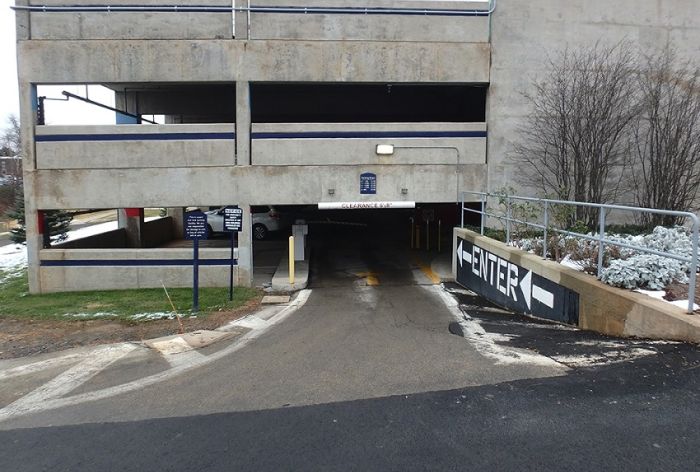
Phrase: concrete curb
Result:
[280,281]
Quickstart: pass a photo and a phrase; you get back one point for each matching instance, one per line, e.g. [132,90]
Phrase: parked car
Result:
[265,219]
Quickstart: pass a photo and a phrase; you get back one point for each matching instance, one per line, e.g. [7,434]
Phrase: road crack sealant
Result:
[42,399]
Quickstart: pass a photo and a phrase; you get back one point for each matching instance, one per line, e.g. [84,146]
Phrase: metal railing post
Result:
[461,195]
[483,212]
[693,268]
[601,238]
[508,217]
[546,225]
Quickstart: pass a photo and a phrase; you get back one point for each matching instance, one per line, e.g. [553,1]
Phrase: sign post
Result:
[195,229]
[233,223]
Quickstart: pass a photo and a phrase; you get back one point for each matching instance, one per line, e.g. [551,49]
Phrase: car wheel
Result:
[259,232]
[210,230]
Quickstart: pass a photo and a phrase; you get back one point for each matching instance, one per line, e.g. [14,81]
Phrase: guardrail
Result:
[545,205]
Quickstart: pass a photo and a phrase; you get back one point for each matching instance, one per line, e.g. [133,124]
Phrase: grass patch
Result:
[16,302]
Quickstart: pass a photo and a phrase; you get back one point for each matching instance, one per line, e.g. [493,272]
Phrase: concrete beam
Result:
[257,185]
[127,61]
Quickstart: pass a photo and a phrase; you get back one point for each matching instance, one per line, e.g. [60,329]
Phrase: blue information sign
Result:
[368,183]
[233,219]
[196,225]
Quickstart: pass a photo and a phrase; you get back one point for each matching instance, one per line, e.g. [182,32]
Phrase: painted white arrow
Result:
[463,255]
[526,287]
[531,291]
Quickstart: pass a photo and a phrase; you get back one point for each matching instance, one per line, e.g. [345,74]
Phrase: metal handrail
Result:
[600,238]
[254,9]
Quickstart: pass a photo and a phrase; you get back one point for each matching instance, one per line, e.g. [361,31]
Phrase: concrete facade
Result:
[204,162]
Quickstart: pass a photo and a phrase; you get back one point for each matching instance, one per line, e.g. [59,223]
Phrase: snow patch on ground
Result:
[568,262]
[13,259]
[153,316]
[614,356]
[90,315]
[660,294]
[487,343]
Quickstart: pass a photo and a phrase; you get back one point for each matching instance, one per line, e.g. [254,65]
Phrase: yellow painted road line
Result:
[371,278]
[434,278]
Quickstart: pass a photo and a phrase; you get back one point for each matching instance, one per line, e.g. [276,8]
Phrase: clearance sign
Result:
[513,287]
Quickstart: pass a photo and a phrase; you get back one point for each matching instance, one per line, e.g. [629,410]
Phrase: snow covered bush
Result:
[628,268]
[645,271]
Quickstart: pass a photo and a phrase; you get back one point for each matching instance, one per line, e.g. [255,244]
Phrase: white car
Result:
[265,219]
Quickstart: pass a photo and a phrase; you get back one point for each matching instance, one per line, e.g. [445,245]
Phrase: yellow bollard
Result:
[291,260]
[427,235]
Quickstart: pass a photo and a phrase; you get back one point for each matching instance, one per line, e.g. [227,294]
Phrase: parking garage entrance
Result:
[379,244]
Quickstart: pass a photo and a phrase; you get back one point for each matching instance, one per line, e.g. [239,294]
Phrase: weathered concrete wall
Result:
[397,27]
[134,146]
[132,25]
[107,240]
[333,150]
[130,61]
[158,232]
[602,308]
[256,185]
[524,34]
[111,277]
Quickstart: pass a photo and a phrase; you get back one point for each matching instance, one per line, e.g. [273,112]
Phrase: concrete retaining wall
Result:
[71,276]
[132,25]
[336,150]
[602,308]
[158,232]
[107,240]
[134,146]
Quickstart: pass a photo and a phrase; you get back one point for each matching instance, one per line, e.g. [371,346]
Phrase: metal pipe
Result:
[693,266]
[546,224]
[439,239]
[411,231]
[601,241]
[291,260]
[102,105]
[427,235]
[252,9]
[508,219]
[483,213]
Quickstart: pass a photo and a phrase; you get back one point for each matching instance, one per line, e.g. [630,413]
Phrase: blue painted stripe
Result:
[134,137]
[135,262]
[370,134]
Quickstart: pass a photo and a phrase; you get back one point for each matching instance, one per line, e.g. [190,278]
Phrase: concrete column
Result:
[245,250]
[131,219]
[35,241]
[127,103]
[22,21]
[241,22]
[243,120]
[178,216]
